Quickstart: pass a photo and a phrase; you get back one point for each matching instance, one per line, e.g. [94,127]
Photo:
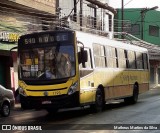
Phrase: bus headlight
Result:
[22,92]
[73,88]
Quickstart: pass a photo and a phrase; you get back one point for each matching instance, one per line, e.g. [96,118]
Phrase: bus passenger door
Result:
[86,79]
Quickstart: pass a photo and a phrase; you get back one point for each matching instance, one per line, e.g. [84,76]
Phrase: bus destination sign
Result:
[46,38]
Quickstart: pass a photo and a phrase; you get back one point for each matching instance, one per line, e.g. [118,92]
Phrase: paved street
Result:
[146,111]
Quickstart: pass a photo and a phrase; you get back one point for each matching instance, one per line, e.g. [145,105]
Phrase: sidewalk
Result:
[154,87]
[17,106]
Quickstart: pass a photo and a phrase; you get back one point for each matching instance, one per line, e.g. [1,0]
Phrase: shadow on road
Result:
[80,112]
[73,115]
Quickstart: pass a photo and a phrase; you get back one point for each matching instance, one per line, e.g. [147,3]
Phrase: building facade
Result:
[88,15]
[144,24]
[21,17]
[17,18]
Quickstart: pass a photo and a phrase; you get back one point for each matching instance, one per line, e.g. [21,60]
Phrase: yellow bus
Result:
[65,68]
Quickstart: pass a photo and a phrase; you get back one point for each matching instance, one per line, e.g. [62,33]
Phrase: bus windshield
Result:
[47,63]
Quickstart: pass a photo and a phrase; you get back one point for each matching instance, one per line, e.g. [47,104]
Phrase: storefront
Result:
[154,72]
[18,18]
[8,59]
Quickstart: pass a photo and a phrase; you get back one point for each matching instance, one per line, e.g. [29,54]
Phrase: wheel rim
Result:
[6,110]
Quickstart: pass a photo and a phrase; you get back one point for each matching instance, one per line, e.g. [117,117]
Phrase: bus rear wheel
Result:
[134,98]
[99,102]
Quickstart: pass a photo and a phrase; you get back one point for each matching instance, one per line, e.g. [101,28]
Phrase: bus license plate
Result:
[55,93]
[46,102]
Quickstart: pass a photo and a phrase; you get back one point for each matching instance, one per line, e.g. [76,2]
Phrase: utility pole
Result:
[122,18]
[142,21]
[143,12]
[81,14]
[75,11]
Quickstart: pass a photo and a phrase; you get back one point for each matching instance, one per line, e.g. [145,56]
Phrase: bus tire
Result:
[134,98]
[99,101]
[52,110]
[24,105]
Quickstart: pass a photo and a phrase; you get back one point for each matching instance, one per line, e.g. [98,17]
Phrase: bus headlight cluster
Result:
[22,92]
[73,88]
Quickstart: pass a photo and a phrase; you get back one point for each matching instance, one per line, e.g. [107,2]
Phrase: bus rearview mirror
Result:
[79,58]
[82,56]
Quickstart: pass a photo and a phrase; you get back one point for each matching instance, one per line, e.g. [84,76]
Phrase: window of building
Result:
[89,15]
[91,19]
[153,30]
[100,19]
[127,26]
[135,29]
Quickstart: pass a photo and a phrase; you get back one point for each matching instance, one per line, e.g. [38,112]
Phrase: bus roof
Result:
[88,39]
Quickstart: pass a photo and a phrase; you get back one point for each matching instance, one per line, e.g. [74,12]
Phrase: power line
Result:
[128,2]
[137,10]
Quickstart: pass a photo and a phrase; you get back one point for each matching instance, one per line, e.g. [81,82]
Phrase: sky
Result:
[135,3]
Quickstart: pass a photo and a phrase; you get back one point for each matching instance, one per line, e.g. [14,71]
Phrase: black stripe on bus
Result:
[49,89]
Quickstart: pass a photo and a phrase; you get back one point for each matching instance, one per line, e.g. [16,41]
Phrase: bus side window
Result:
[145,61]
[147,58]
[109,56]
[131,60]
[112,57]
[89,61]
[136,64]
[139,60]
[126,58]
[116,57]
[122,58]
[99,55]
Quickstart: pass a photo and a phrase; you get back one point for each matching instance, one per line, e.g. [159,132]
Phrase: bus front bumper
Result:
[62,101]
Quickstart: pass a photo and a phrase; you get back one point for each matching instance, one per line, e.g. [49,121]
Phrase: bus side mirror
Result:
[82,56]
[79,58]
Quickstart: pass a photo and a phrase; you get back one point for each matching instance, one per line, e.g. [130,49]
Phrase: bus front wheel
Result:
[52,110]
[99,101]
[24,103]
[24,106]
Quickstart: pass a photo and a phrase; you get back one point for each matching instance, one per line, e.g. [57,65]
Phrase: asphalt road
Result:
[115,116]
